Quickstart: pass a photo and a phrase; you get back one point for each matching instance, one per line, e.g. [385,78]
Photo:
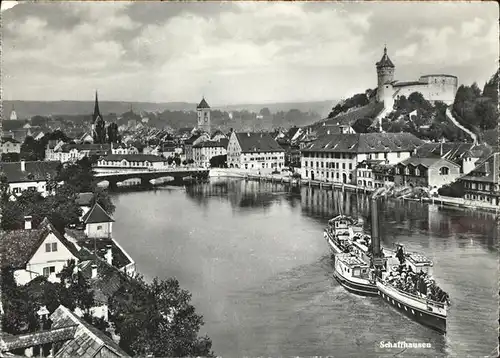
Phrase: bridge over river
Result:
[113,178]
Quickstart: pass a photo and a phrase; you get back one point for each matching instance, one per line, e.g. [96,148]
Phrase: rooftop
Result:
[34,171]
[257,142]
[427,162]
[487,171]
[17,247]
[209,143]
[88,342]
[385,61]
[96,215]
[203,104]
[364,143]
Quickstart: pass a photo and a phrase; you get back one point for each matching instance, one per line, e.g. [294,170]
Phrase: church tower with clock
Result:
[203,112]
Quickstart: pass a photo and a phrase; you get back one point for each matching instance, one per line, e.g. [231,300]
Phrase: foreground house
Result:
[335,157]
[482,183]
[30,175]
[254,151]
[36,252]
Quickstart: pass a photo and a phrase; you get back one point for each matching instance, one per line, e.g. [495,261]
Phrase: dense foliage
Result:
[20,303]
[157,318]
[358,100]
[476,110]
[32,149]
[218,161]
[60,205]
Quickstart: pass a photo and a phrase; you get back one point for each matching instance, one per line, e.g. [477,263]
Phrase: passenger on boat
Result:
[400,255]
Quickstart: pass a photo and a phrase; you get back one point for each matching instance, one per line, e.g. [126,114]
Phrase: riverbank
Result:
[288,179]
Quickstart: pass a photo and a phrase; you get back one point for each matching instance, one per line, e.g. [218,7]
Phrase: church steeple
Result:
[97,113]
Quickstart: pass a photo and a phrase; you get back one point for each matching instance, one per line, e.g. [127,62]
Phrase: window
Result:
[48,270]
[54,246]
[343,165]
[350,166]
[99,227]
[399,154]
[444,171]
[47,247]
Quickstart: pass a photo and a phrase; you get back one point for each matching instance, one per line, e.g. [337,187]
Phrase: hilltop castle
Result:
[438,87]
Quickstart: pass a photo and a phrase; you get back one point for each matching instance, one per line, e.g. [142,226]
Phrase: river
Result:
[254,258]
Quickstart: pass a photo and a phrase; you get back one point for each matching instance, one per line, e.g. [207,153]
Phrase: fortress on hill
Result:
[438,87]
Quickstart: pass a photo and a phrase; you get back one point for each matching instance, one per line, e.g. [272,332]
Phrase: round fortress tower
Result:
[385,74]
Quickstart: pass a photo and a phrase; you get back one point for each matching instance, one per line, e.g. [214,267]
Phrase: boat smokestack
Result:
[375,228]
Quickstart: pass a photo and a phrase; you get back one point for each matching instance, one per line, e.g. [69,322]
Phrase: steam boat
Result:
[418,297]
[404,280]
[339,232]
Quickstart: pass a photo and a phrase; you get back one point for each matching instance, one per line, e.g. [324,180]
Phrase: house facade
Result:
[29,175]
[335,157]
[426,172]
[482,183]
[130,162]
[255,152]
[203,152]
[73,152]
[36,252]
[10,145]
[98,223]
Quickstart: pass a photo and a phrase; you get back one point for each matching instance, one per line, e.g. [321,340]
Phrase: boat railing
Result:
[415,297]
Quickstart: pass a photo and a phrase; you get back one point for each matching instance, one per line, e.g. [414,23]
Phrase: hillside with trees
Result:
[475,109]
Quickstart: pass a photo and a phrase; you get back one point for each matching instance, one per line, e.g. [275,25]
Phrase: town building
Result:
[254,151]
[29,175]
[335,157]
[482,183]
[203,152]
[383,174]
[130,162]
[36,252]
[426,172]
[466,155]
[10,145]
[70,152]
[435,87]
[218,135]
[203,115]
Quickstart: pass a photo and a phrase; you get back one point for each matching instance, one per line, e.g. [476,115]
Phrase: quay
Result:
[276,178]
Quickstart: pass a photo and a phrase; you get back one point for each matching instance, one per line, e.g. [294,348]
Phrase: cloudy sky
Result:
[244,52]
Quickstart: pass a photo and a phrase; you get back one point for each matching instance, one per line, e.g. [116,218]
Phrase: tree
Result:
[170,160]
[31,149]
[11,157]
[157,318]
[265,112]
[101,196]
[177,161]
[112,133]
[362,125]
[218,161]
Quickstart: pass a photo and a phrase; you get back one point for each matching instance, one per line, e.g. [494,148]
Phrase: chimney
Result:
[27,222]
[94,271]
[375,228]
[109,254]
[487,167]
[23,166]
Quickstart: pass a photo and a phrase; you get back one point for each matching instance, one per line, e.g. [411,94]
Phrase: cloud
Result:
[236,52]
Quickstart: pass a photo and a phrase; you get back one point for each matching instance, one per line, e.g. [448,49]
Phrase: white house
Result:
[72,152]
[335,157]
[98,223]
[255,152]
[130,162]
[10,145]
[25,175]
[203,152]
[36,252]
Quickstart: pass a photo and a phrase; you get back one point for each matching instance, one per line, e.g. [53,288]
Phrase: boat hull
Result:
[355,287]
[334,248]
[425,317]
